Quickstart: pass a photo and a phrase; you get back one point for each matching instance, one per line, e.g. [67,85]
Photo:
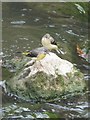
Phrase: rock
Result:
[48,78]
[2,85]
[52,65]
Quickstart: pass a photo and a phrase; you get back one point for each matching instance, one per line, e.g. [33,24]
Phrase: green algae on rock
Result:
[48,78]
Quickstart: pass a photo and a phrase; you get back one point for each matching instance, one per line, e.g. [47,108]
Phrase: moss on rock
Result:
[33,82]
[41,86]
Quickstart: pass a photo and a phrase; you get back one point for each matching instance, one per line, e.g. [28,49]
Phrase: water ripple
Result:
[18,22]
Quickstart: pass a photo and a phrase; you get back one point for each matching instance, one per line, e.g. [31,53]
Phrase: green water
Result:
[23,25]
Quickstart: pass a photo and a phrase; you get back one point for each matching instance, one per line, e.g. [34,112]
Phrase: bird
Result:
[37,53]
[49,43]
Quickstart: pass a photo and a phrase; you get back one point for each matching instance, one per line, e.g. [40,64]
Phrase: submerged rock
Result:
[46,79]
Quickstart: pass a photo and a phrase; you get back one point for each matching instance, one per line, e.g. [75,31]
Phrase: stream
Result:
[23,25]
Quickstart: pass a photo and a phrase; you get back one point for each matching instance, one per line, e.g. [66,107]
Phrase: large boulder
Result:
[46,79]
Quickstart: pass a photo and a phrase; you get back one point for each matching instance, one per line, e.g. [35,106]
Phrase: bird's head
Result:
[49,42]
[47,39]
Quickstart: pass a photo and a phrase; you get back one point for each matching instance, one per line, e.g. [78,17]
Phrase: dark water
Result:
[23,25]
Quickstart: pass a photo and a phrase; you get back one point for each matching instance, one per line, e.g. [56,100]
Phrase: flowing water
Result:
[23,25]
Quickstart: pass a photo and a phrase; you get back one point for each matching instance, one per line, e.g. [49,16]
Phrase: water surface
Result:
[23,25]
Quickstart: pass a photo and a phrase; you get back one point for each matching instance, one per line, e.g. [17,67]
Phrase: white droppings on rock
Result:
[51,65]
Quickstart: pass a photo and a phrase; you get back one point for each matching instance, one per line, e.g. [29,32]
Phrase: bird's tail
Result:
[60,51]
[25,53]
